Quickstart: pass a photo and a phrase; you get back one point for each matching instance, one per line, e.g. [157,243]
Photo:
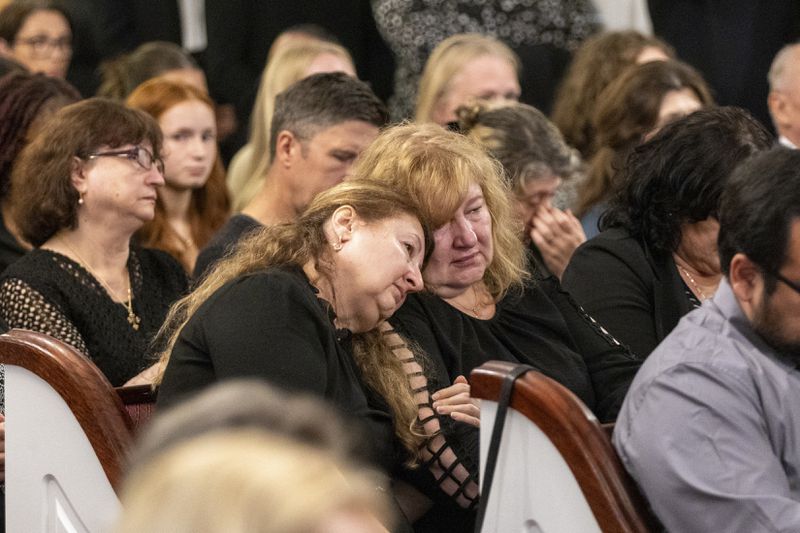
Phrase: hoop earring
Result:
[337,246]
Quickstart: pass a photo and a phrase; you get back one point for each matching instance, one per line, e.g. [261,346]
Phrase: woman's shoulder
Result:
[37,264]
[281,286]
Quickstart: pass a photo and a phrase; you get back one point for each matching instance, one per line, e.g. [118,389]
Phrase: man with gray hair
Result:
[784,94]
[320,125]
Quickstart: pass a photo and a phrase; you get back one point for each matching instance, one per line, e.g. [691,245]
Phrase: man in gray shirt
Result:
[710,428]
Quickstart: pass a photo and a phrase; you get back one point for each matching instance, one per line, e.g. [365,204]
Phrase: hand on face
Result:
[556,234]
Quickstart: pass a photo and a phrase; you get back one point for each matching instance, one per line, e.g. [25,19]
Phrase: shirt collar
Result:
[786,142]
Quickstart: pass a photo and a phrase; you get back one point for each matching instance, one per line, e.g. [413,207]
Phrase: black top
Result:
[50,293]
[10,248]
[223,241]
[272,325]
[639,297]
[541,326]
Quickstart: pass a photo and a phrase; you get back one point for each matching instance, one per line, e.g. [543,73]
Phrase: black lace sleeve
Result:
[439,457]
[21,306]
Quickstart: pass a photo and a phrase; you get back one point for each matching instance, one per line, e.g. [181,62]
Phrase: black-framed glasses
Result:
[141,155]
[42,46]
[791,284]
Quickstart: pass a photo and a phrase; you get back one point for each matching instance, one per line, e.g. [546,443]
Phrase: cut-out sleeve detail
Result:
[438,457]
[24,307]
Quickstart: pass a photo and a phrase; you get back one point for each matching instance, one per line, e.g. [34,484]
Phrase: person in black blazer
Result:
[656,258]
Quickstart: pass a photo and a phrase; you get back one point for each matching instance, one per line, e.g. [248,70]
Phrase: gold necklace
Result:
[696,287]
[133,319]
[475,309]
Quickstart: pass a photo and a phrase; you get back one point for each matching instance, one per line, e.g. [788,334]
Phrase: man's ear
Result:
[5,48]
[342,222]
[746,280]
[776,103]
[287,147]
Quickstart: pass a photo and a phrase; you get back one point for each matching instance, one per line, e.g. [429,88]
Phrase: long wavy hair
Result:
[599,61]
[303,241]
[210,203]
[626,112]
[436,167]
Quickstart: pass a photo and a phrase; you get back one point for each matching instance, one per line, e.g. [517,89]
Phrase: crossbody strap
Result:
[494,442]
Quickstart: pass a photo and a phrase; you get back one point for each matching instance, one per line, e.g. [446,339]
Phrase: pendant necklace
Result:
[133,318]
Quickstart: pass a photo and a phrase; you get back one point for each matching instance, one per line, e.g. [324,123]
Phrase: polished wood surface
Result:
[583,443]
[86,391]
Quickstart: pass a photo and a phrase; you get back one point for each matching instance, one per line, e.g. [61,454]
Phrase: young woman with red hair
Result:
[194,202]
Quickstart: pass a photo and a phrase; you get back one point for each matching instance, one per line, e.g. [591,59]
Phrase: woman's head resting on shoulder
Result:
[377,255]
[96,161]
[460,189]
[361,241]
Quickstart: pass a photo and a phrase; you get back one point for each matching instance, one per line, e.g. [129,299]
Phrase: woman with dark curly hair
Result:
[656,257]
[27,101]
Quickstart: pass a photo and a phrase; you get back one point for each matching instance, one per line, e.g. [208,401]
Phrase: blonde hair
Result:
[289,65]
[245,481]
[302,241]
[447,59]
[436,167]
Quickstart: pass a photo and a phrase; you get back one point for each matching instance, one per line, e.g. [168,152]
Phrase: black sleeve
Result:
[615,294]
[258,326]
[611,365]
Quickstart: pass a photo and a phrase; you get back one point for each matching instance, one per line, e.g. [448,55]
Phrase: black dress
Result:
[272,325]
[235,229]
[10,248]
[638,296]
[50,293]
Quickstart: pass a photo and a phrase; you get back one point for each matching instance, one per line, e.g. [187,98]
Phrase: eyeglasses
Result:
[139,154]
[42,46]
[792,284]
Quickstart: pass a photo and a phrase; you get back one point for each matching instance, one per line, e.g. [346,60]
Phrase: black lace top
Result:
[50,293]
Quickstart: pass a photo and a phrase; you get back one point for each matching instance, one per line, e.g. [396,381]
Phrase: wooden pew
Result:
[67,437]
[556,470]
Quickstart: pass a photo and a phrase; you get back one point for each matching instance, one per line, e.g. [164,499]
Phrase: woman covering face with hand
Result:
[535,161]
[193,203]
[482,304]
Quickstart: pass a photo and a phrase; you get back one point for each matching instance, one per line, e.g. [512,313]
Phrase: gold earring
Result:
[337,245]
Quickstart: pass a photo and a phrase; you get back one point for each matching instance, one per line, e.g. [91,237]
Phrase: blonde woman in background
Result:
[463,68]
[291,63]
[249,481]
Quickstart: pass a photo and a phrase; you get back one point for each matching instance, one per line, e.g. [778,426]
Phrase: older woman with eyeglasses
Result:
[79,192]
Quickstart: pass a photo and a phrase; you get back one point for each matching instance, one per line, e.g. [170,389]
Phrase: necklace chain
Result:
[475,309]
[696,287]
[133,318]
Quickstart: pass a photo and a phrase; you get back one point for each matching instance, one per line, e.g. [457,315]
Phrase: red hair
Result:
[210,205]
